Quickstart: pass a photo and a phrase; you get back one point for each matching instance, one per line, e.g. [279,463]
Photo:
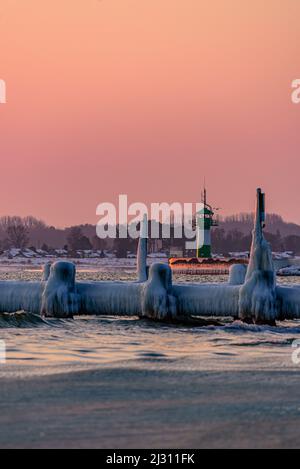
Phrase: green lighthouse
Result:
[204,220]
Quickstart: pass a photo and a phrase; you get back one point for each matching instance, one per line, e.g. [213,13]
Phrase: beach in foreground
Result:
[134,408]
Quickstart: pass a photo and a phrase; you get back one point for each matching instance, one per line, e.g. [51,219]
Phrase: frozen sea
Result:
[116,375]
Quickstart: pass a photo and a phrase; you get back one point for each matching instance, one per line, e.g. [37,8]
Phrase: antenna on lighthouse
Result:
[204,192]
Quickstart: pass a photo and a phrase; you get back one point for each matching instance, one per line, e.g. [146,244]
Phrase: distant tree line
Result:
[232,235]
[235,241]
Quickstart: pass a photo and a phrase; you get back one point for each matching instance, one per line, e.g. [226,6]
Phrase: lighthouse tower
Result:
[204,221]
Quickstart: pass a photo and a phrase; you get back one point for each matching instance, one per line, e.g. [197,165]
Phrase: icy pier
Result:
[250,295]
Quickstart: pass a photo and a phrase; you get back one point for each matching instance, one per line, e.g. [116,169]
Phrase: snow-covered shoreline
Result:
[292,271]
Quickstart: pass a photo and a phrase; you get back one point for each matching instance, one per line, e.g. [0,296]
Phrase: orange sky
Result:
[145,97]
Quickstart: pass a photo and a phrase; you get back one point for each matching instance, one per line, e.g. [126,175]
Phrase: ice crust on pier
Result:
[207,299]
[288,302]
[110,298]
[20,296]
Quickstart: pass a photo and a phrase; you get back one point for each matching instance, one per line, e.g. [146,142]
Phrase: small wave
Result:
[264,343]
[21,320]
[290,327]
[152,355]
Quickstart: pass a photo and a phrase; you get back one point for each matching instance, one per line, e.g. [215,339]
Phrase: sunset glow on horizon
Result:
[146,98]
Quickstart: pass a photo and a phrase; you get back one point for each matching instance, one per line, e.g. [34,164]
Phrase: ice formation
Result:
[257,298]
[46,271]
[60,297]
[158,301]
[20,296]
[251,296]
[110,298]
[237,274]
[142,252]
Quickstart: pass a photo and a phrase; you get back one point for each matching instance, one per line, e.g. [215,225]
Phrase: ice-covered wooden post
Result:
[257,298]
[142,251]
[158,301]
[46,271]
